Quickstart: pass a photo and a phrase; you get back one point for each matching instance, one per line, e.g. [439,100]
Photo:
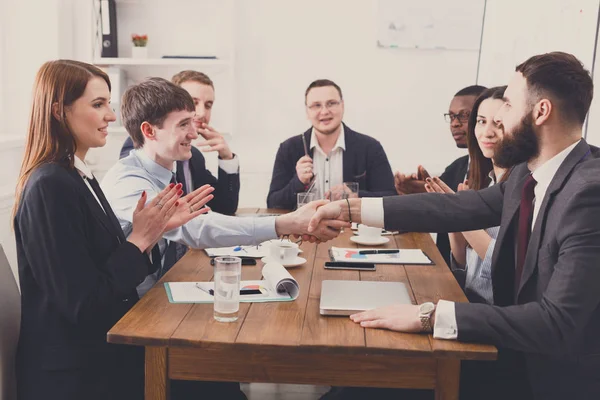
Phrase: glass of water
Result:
[228,273]
[305,198]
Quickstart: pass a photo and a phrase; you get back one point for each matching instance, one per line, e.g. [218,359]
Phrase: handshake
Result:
[319,221]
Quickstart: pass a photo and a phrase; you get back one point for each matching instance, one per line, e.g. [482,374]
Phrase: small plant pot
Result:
[139,52]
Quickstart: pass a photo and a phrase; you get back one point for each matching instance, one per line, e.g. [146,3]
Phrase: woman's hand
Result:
[436,185]
[150,220]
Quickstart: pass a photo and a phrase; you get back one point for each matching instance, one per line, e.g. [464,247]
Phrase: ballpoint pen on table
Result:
[391,251]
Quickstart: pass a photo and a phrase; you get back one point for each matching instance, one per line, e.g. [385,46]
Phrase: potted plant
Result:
[139,49]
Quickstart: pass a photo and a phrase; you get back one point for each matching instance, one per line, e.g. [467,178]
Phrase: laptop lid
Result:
[349,297]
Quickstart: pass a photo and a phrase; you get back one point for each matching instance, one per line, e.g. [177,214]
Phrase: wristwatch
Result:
[425,311]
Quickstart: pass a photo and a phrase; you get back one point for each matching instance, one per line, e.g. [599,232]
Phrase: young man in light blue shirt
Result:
[159,118]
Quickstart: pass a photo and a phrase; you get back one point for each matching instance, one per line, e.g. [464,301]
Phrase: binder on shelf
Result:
[108,21]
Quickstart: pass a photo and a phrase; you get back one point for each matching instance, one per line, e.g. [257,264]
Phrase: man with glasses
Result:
[328,155]
[455,173]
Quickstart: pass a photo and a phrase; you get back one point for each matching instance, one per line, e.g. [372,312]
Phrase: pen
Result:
[242,291]
[379,251]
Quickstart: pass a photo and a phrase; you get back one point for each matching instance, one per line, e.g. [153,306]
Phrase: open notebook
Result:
[277,285]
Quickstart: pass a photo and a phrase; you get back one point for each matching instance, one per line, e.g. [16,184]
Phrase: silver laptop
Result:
[349,297]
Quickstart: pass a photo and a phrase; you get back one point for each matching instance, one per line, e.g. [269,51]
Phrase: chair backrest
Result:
[10,321]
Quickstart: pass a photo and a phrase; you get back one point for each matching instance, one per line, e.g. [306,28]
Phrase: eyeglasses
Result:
[462,116]
[331,104]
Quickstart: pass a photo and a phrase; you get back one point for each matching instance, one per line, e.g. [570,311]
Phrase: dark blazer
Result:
[453,175]
[364,161]
[78,276]
[553,319]
[227,187]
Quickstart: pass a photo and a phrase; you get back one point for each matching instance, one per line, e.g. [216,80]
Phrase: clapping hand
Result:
[192,206]
[436,185]
[411,183]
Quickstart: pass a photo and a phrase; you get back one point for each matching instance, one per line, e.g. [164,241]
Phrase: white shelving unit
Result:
[195,62]
[203,28]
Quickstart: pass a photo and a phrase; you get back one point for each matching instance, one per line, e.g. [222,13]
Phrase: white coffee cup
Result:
[284,252]
[368,232]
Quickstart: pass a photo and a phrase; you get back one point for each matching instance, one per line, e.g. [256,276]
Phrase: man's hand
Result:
[422,173]
[339,192]
[399,317]
[337,210]
[304,169]
[190,206]
[409,184]
[296,223]
[214,141]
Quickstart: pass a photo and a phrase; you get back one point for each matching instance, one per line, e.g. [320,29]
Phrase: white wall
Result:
[397,96]
[29,39]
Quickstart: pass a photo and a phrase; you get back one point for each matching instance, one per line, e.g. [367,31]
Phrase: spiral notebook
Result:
[277,285]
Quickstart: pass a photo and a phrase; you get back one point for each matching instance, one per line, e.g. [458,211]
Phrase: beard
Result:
[518,146]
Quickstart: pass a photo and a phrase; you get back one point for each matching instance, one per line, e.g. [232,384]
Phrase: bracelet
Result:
[349,215]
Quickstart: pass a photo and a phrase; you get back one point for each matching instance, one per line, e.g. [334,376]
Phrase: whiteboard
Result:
[515,30]
[430,24]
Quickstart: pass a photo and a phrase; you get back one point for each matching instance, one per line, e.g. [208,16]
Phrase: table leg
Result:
[157,377]
[447,377]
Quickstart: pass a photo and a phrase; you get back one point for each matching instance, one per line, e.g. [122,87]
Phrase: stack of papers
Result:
[277,285]
[403,256]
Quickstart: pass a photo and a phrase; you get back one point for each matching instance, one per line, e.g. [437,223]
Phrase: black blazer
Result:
[227,187]
[365,162]
[453,175]
[553,319]
[78,277]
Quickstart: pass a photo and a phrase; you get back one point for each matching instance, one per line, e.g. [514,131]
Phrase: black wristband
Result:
[349,215]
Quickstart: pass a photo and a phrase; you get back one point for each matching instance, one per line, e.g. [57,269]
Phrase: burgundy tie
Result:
[525,218]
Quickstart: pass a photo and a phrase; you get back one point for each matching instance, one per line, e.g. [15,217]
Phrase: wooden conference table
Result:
[291,342]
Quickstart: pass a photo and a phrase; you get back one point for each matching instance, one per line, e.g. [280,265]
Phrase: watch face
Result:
[426,308]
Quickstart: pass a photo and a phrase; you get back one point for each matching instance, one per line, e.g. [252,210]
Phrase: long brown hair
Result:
[49,139]
[480,167]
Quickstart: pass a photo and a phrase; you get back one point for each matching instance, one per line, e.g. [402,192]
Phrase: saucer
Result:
[298,261]
[370,241]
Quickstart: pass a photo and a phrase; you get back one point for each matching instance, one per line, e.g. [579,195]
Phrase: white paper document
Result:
[277,285]
[403,256]
[259,251]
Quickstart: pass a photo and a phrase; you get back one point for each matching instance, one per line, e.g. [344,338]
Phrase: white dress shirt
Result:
[328,168]
[372,214]
[86,173]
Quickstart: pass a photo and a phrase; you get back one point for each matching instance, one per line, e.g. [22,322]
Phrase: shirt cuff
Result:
[230,166]
[264,229]
[445,321]
[371,211]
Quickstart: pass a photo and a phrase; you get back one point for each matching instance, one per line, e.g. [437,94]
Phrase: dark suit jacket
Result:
[227,187]
[364,162]
[78,277]
[453,175]
[554,318]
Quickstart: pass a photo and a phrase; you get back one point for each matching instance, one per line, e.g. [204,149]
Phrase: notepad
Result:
[404,256]
[277,285]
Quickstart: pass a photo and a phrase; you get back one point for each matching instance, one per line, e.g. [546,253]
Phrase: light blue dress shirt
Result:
[478,277]
[123,185]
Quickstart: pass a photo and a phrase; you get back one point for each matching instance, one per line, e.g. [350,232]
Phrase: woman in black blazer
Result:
[78,273]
